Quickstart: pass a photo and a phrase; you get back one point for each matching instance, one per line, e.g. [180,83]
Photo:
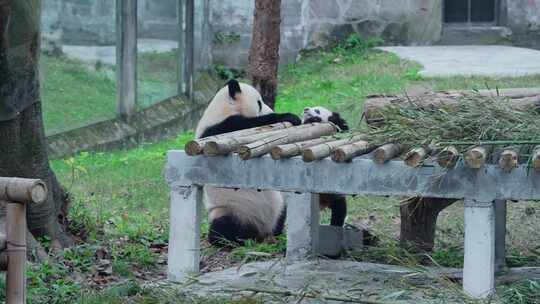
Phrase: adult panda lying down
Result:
[236,215]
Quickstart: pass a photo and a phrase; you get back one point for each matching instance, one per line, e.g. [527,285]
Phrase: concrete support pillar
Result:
[184,232]
[479,264]
[302,226]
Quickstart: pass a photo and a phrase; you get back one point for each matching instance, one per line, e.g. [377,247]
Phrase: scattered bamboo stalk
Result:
[476,157]
[321,151]
[536,158]
[508,159]
[226,145]
[416,156]
[290,150]
[347,152]
[310,295]
[196,146]
[291,135]
[387,152]
[448,157]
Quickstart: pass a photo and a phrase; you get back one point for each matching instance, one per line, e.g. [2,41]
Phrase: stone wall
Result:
[306,24]
[523,18]
[314,23]
[93,22]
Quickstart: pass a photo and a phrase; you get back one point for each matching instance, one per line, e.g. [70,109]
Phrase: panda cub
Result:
[322,114]
[241,214]
[335,202]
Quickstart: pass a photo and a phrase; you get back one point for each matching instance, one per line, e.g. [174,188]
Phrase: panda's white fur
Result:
[323,113]
[223,106]
[260,209]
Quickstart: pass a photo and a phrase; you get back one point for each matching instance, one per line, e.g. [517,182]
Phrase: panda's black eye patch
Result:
[317,111]
[260,105]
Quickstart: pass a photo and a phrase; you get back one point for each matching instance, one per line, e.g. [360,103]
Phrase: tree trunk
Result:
[23,146]
[264,52]
[419,220]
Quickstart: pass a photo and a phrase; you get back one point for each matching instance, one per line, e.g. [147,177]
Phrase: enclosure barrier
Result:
[360,169]
[15,193]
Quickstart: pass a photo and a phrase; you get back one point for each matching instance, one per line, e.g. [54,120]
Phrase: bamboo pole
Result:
[536,158]
[196,146]
[291,135]
[16,248]
[16,193]
[476,157]
[226,145]
[508,159]
[22,190]
[290,150]
[347,152]
[448,157]
[321,151]
[416,156]
[387,152]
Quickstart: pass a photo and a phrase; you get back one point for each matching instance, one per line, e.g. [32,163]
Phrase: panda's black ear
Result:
[234,88]
[338,121]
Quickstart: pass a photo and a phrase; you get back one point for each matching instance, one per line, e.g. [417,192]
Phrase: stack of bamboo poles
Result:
[15,194]
[318,141]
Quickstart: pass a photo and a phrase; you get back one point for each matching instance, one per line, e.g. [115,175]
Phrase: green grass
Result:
[73,95]
[120,199]
[157,77]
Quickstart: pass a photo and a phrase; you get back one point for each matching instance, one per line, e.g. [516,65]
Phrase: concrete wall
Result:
[314,23]
[410,22]
[226,37]
[523,18]
[92,22]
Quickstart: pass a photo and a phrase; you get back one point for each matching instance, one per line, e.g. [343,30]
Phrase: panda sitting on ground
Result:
[241,214]
[335,202]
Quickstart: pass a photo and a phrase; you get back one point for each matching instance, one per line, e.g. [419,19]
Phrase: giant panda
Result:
[335,202]
[241,214]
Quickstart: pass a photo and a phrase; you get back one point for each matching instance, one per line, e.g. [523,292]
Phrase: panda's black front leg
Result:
[239,122]
[338,205]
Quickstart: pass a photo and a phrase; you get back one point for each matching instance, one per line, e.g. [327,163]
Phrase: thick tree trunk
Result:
[419,220]
[23,146]
[264,52]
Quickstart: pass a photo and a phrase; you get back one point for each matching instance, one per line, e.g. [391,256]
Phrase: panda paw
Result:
[289,117]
